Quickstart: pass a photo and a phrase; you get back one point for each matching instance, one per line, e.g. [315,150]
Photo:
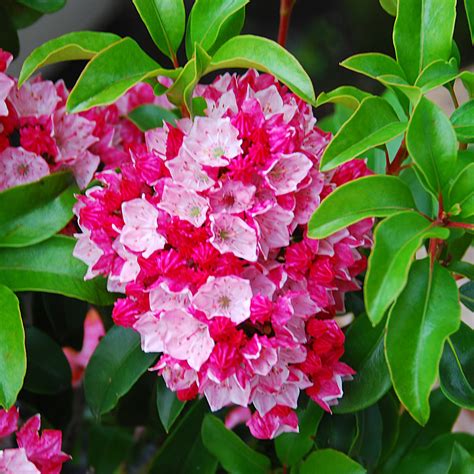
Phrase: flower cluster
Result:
[36,453]
[38,136]
[204,229]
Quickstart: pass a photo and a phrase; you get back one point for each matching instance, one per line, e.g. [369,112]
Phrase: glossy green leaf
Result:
[48,370]
[425,314]
[462,191]
[364,352]
[34,212]
[467,78]
[165,21]
[423,33]
[12,348]
[329,461]
[110,74]
[372,124]
[456,370]
[50,267]
[423,199]
[169,407]
[390,411]
[68,47]
[467,295]
[249,51]
[230,28]
[371,196]
[171,456]
[44,6]
[436,74]
[463,122]
[113,369]
[390,259]
[232,453]
[349,96]
[373,65]
[206,20]
[432,144]
[291,448]
[469,7]
[368,447]
[390,6]
[149,116]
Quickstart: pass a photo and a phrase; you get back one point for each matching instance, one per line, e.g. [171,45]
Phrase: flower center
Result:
[218,152]
[195,211]
[224,302]
[23,169]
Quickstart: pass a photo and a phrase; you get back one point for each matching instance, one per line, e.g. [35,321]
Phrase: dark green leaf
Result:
[368,447]
[390,259]
[34,212]
[349,96]
[390,411]
[462,462]
[462,191]
[463,268]
[8,36]
[373,65]
[292,447]
[232,453]
[425,314]
[111,73]
[165,21]
[337,432]
[21,16]
[115,366]
[456,370]
[463,122]
[249,51]
[12,348]
[432,144]
[230,28]
[423,33]
[68,47]
[371,125]
[467,295]
[371,196]
[329,461]
[44,6]
[364,352]
[169,407]
[48,370]
[149,116]
[50,267]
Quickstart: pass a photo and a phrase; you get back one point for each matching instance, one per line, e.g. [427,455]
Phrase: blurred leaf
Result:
[329,461]
[463,122]
[423,33]
[368,447]
[370,196]
[20,15]
[462,462]
[390,411]
[467,295]
[44,6]
[149,116]
[50,267]
[456,370]
[232,453]
[390,6]
[337,432]
[8,36]
[68,47]
[12,348]
[169,407]
[463,268]
[467,78]
[462,191]
[390,259]
[48,370]
[33,212]
[469,6]
[364,352]
[349,96]
[425,314]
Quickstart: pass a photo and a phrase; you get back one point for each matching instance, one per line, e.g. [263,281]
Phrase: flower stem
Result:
[286,7]
[395,166]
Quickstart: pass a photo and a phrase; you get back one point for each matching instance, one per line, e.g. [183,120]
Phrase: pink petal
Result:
[14,461]
[8,421]
[163,299]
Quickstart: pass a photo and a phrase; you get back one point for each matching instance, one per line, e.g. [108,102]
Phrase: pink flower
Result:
[227,296]
[6,85]
[188,172]
[280,419]
[232,197]
[14,461]
[163,299]
[8,421]
[34,99]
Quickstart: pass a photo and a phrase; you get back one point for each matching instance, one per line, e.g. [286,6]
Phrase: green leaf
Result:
[467,295]
[371,196]
[364,352]
[373,65]
[291,448]
[390,259]
[432,144]
[462,191]
[169,407]
[337,432]
[462,268]
[349,96]
[372,124]
[456,370]
[463,122]
[50,267]
[232,453]
[423,199]
[425,314]
[401,85]
[68,47]
[230,28]
[249,51]
[34,212]
[206,20]
[149,116]
[44,6]
[48,370]
[423,33]
[12,348]
[469,7]
[165,21]
[368,447]
[467,78]
[390,6]
[113,369]
[21,16]
[329,461]
[110,74]
[390,410]
[196,459]
[436,74]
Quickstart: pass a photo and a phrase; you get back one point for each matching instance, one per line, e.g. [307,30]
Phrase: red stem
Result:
[175,60]
[395,166]
[461,225]
[286,7]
